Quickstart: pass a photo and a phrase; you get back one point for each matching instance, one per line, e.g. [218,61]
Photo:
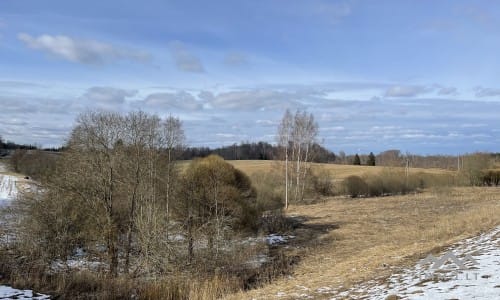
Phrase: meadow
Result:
[344,241]
[368,238]
[331,244]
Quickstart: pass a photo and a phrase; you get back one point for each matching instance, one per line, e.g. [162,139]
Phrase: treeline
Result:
[395,158]
[7,147]
[255,151]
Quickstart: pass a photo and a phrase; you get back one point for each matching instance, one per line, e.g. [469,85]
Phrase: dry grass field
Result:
[368,238]
[338,172]
[343,241]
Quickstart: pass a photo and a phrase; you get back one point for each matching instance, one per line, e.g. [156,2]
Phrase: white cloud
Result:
[81,51]
[267,122]
[225,135]
[180,100]
[107,96]
[447,91]
[406,91]
[185,60]
[486,92]
[333,128]
[258,99]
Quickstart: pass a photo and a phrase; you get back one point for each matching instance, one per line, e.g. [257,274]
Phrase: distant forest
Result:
[8,147]
[254,151]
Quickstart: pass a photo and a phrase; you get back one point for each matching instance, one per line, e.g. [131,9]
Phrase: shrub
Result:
[394,182]
[217,193]
[355,186]
[270,190]
[322,182]
[491,177]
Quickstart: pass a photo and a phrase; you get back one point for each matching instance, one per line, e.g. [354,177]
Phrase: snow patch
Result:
[482,281]
[8,189]
[257,261]
[77,264]
[6,292]
[276,239]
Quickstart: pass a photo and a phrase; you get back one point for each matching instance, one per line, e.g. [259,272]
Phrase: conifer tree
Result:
[371,159]
[356,161]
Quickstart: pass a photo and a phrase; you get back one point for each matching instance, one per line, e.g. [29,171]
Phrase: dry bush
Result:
[181,287]
[270,190]
[355,186]
[34,163]
[394,182]
[321,182]
[275,221]
[491,177]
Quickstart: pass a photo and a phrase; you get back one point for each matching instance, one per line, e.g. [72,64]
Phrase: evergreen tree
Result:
[356,161]
[371,159]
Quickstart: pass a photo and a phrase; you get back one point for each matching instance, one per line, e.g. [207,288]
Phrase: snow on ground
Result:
[276,239]
[6,292]
[8,188]
[480,279]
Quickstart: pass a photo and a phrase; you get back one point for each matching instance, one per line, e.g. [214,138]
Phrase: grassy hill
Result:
[346,241]
[336,171]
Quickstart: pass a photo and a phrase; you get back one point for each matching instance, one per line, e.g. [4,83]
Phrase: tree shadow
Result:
[302,236]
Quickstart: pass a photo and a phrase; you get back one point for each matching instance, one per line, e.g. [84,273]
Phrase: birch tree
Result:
[174,142]
[284,138]
[296,136]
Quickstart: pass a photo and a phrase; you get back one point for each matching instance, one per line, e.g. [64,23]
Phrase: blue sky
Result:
[419,76]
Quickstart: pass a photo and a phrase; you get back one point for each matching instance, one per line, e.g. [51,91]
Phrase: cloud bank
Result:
[214,118]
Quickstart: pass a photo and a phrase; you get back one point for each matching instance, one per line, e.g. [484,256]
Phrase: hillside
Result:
[369,239]
[337,171]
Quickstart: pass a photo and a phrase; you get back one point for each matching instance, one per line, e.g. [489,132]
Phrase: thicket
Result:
[34,163]
[116,204]
[491,177]
[393,182]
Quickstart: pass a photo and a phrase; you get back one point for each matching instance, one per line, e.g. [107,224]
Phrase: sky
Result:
[418,76]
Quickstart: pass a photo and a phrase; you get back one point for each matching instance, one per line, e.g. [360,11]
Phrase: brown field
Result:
[338,172]
[366,238]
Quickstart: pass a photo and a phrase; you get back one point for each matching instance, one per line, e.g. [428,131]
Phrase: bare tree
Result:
[174,143]
[296,136]
[97,161]
[116,172]
[284,138]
